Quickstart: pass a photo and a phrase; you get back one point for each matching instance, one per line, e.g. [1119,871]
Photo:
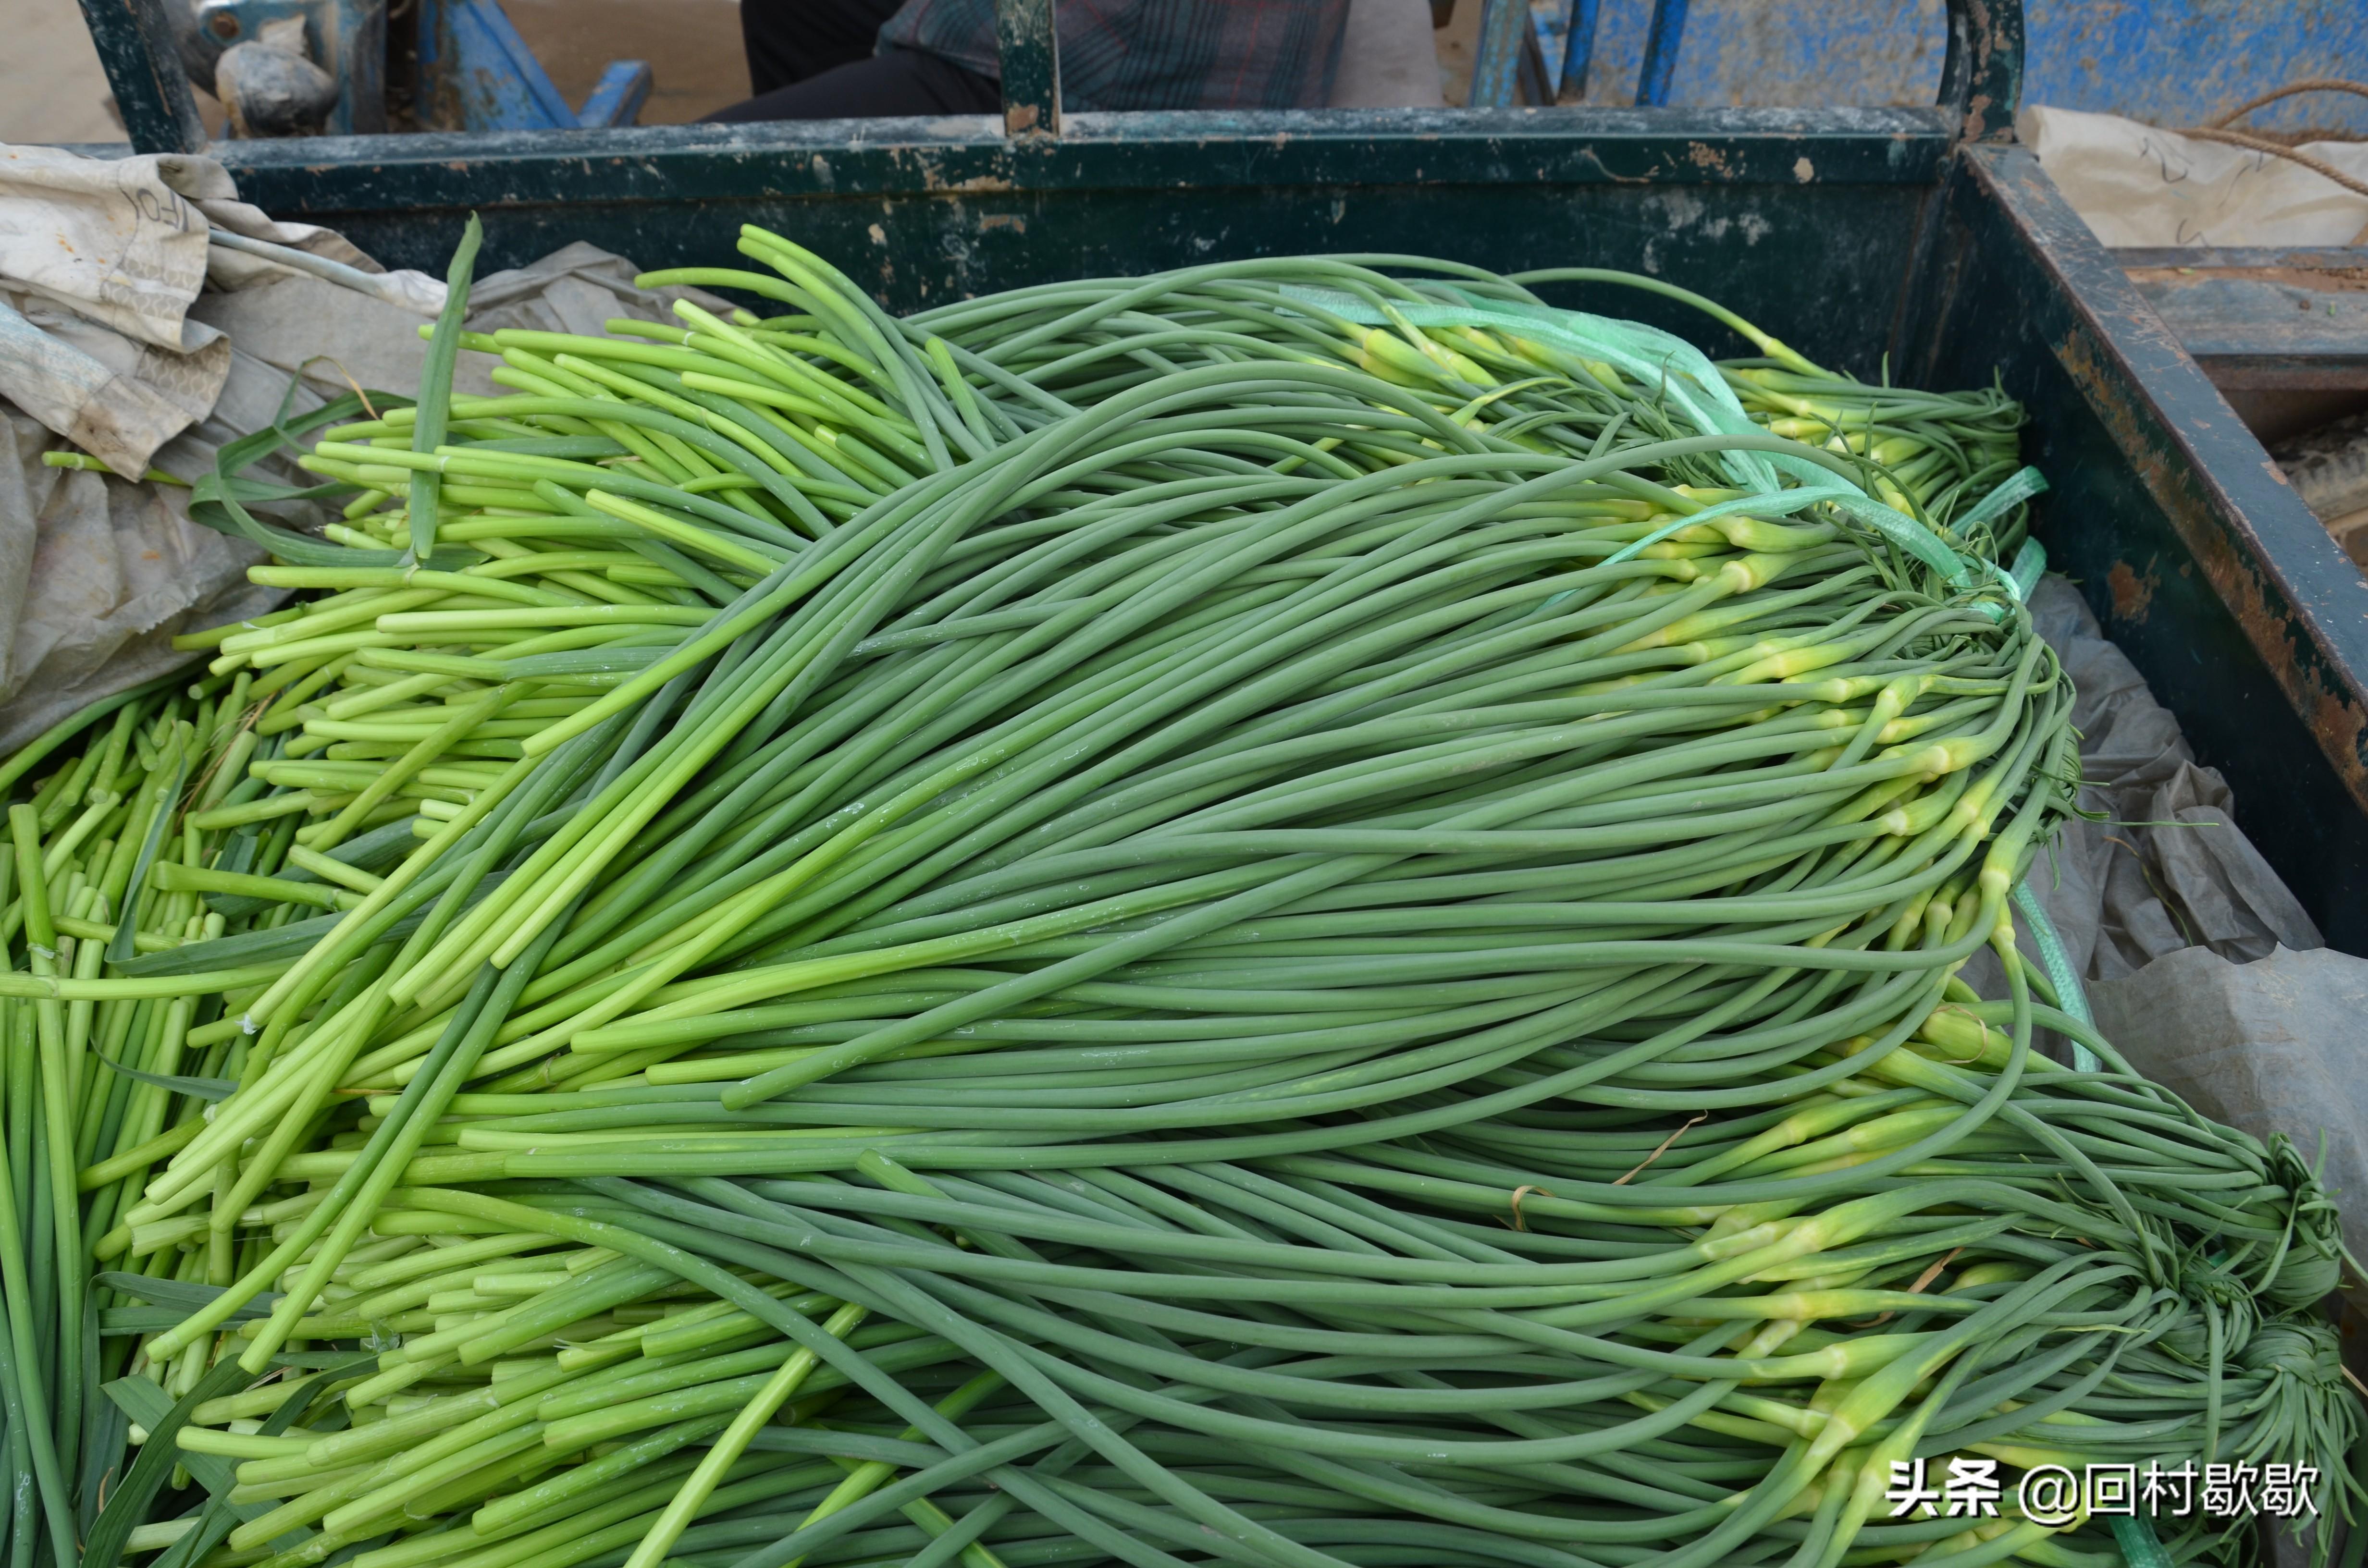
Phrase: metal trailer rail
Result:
[1920,238]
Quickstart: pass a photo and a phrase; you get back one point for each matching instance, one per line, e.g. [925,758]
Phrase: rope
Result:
[2219,129]
[2309,85]
[2278,149]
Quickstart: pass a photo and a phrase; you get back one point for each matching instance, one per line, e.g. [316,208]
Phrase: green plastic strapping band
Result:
[1781,504]
[2058,965]
[2020,486]
[1686,376]
[2030,565]
[2136,1539]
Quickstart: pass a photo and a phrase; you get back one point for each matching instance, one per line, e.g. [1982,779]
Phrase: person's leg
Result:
[791,40]
[901,81]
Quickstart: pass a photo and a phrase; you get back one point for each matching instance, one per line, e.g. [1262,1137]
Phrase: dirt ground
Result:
[693,48]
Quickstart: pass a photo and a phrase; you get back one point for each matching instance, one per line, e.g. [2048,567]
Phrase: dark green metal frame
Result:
[1916,236]
[2199,558]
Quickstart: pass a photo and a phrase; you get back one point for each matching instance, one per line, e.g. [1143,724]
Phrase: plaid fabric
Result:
[1147,54]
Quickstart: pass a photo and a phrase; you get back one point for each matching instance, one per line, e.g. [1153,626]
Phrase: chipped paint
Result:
[2342,726]
[2133,594]
[1679,209]
[1169,151]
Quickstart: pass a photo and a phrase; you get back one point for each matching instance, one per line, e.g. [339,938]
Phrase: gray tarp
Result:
[108,345]
[2168,869]
[97,575]
[2275,1045]
[2204,970]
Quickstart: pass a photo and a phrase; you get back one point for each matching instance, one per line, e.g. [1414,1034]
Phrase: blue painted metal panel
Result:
[476,71]
[477,74]
[2171,61]
[1497,59]
[1578,50]
[504,86]
[617,97]
[1664,37]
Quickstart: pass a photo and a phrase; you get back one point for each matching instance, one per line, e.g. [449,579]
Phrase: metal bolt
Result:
[222,23]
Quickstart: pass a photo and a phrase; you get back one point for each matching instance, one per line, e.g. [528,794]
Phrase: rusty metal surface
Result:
[2284,369]
[1029,47]
[1981,76]
[2263,320]
[2198,556]
[1176,151]
[2266,327]
[2338,266]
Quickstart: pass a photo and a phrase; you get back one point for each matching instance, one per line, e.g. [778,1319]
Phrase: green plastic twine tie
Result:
[2139,1548]
[1642,352]
[2030,565]
[2058,964]
[1649,353]
[1655,358]
[1783,503]
[2019,486]
[2030,560]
